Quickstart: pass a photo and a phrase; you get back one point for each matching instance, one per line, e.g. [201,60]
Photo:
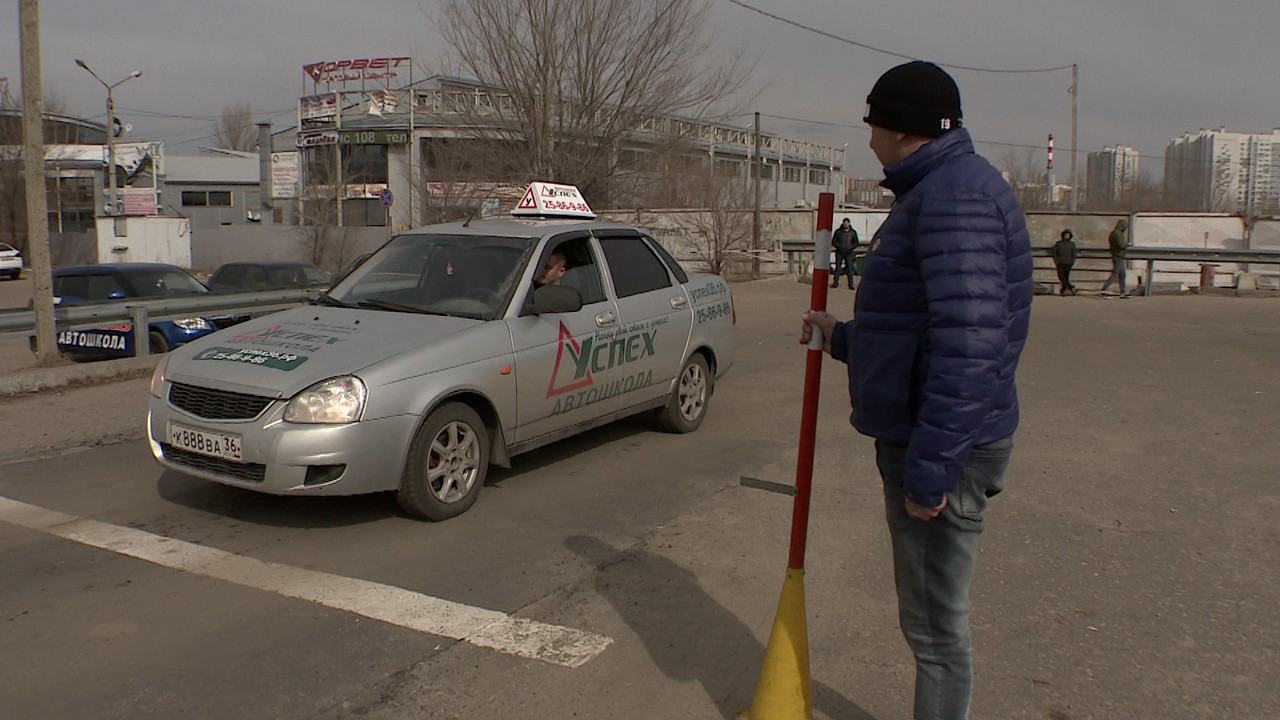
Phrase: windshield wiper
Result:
[326,300]
[395,306]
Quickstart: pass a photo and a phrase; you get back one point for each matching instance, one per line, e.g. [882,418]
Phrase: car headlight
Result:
[336,400]
[194,324]
[157,378]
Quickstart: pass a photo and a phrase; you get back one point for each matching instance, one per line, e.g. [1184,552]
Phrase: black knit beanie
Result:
[917,98]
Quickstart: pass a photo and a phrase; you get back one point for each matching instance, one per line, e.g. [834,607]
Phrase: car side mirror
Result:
[555,299]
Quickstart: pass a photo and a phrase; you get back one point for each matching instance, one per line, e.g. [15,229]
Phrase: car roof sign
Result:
[552,200]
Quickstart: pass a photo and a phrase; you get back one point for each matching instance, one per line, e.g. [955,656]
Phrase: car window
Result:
[104,287]
[672,265]
[255,278]
[633,266]
[465,275]
[316,276]
[71,285]
[5,247]
[582,271]
[161,282]
[232,275]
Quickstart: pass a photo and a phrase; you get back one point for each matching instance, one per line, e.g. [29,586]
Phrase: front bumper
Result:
[281,458]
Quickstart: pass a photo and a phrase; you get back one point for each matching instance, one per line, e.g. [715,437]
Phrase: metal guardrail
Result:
[140,312]
[1150,255]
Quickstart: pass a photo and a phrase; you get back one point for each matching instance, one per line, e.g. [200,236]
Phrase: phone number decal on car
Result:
[714,312]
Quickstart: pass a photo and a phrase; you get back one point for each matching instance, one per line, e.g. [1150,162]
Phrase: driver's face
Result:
[553,270]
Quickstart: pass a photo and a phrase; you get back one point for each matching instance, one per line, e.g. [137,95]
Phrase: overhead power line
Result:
[997,143]
[865,46]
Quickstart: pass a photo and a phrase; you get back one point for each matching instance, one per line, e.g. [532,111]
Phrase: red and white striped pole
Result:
[1049,179]
[784,691]
[812,381]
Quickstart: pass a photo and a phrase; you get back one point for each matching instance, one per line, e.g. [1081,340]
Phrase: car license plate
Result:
[205,442]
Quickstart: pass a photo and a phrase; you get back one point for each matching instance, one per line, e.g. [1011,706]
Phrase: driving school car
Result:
[443,353]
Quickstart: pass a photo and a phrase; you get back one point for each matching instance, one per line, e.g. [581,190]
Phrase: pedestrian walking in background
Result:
[845,242]
[1117,242]
[1064,256]
[940,320]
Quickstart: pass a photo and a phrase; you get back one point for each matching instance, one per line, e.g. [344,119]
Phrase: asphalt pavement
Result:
[1128,571]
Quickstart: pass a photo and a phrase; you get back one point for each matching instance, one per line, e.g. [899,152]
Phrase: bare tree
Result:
[1026,179]
[236,129]
[564,82]
[325,239]
[720,229]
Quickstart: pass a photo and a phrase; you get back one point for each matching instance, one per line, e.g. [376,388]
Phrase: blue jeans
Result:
[843,266]
[933,567]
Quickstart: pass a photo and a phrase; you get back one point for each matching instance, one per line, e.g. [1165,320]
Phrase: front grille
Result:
[216,404]
[244,472]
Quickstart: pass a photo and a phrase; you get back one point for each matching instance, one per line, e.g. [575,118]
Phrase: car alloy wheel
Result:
[689,398]
[446,464]
[452,462]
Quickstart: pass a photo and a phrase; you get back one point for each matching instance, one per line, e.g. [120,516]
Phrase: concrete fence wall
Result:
[678,230]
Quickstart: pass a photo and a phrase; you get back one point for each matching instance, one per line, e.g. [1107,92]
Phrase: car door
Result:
[556,386]
[654,316]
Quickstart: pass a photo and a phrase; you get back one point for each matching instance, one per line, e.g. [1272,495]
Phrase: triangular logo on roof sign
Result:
[553,200]
[529,201]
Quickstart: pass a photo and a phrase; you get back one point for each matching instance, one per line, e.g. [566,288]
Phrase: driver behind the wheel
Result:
[553,269]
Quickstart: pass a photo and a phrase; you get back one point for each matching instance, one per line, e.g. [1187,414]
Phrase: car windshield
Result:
[464,275]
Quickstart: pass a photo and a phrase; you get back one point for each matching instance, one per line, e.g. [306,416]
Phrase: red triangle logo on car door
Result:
[575,350]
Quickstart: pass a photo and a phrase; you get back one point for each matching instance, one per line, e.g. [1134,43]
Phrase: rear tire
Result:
[689,398]
[447,464]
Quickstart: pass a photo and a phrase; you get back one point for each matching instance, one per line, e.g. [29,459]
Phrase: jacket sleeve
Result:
[842,342]
[961,248]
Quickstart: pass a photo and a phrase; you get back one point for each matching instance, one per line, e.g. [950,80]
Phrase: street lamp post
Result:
[112,194]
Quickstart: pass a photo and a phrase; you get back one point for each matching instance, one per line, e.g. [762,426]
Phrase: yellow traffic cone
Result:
[784,691]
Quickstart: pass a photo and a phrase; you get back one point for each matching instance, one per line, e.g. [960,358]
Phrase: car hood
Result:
[283,353]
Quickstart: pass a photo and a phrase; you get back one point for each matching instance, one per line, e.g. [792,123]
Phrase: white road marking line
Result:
[480,627]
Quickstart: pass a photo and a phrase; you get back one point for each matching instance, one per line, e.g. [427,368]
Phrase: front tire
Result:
[689,398]
[157,344]
[447,464]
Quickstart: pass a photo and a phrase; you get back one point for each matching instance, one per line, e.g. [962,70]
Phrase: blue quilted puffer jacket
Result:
[941,315]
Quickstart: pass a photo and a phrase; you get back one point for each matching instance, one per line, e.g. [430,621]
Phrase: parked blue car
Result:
[106,283]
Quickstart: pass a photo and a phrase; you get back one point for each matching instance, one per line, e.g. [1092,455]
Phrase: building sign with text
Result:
[357,70]
[316,107]
[285,174]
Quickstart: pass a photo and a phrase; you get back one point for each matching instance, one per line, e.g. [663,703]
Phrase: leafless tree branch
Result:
[236,130]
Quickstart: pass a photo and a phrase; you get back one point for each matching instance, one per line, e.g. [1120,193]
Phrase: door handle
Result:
[679,302]
[605,319]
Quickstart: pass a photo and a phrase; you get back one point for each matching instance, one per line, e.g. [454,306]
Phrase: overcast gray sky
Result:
[1148,71]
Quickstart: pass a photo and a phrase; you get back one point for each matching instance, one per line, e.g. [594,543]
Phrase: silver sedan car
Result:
[451,348]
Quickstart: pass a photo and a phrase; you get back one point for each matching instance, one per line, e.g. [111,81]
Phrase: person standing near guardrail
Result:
[1064,257]
[845,243]
[1117,242]
[940,319]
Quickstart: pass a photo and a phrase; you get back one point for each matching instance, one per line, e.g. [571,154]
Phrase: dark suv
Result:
[253,276]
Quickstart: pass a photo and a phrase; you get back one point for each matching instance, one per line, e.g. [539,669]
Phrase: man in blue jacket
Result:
[939,322]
